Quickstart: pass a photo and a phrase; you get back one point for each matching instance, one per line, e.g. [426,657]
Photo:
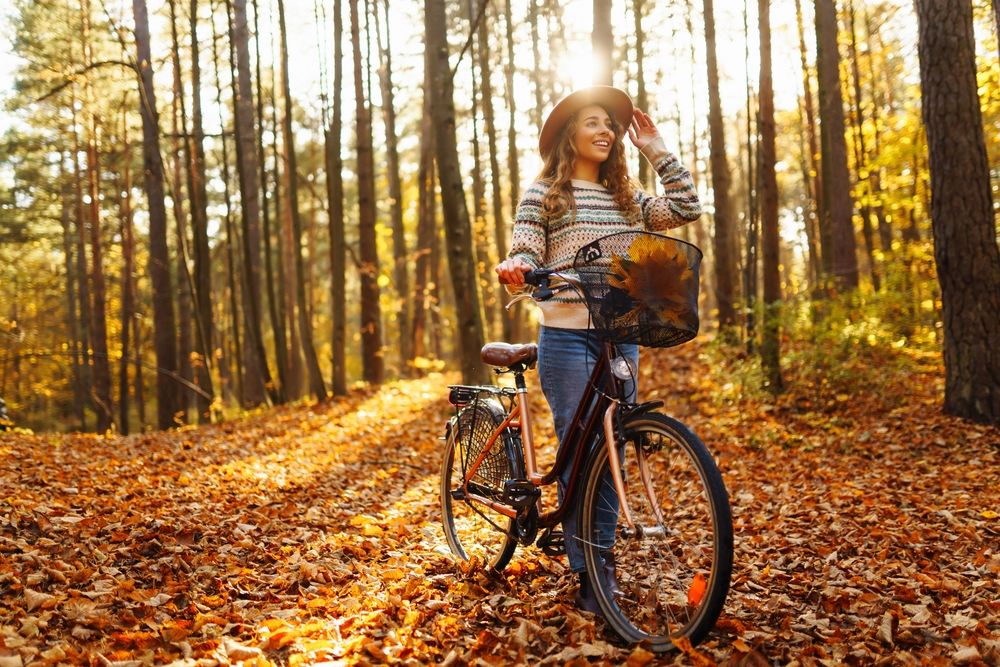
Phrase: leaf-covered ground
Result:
[867,531]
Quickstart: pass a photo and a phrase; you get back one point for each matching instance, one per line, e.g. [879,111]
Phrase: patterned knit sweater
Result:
[597,215]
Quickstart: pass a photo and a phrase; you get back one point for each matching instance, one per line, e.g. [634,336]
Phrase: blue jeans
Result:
[566,358]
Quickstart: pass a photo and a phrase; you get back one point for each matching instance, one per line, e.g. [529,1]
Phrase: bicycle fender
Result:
[642,409]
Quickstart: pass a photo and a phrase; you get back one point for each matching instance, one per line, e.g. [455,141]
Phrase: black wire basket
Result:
[641,288]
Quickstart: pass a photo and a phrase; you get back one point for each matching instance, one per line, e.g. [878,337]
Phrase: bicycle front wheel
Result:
[475,532]
[670,578]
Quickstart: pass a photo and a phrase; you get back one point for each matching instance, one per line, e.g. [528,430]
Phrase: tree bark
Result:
[72,304]
[257,378]
[277,323]
[204,328]
[724,243]
[962,216]
[638,7]
[836,178]
[400,256]
[456,215]
[159,260]
[371,330]
[127,282]
[335,193]
[101,388]
[819,253]
[770,349]
[316,384]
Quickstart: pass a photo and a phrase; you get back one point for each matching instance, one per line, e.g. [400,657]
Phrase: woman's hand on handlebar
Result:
[511,271]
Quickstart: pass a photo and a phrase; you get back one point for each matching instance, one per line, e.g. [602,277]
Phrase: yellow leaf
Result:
[989,514]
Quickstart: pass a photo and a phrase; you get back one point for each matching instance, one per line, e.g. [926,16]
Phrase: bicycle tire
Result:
[674,584]
[475,532]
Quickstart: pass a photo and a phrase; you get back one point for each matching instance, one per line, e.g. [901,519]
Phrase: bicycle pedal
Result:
[520,494]
[552,542]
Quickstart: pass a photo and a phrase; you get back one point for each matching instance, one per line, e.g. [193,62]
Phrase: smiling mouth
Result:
[602,144]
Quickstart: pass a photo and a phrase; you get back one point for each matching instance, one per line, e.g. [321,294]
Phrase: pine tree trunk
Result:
[400,256]
[186,396]
[204,329]
[257,374]
[127,282]
[101,387]
[836,178]
[316,384]
[159,260]
[80,239]
[277,323]
[335,193]
[884,228]
[725,241]
[815,221]
[425,224]
[371,330]
[962,216]
[861,153]
[456,215]
[770,350]
[232,239]
[638,7]
[72,304]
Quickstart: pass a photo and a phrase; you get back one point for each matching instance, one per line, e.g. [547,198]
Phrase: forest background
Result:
[276,208]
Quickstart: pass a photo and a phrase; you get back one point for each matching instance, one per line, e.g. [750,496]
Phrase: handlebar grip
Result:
[537,277]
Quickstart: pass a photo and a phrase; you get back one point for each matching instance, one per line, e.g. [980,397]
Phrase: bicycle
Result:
[672,544]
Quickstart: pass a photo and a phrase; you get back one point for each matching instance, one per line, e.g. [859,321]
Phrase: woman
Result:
[583,193]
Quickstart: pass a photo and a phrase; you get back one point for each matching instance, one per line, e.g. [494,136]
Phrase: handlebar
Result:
[540,278]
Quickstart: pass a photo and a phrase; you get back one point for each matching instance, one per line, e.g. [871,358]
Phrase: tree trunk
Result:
[425,224]
[814,219]
[101,388]
[638,9]
[750,267]
[127,282]
[603,42]
[770,350]
[884,228]
[204,333]
[836,178]
[962,216]
[335,193]
[72,307]
[371,330]
[400,257]
[232,238]
[724,244]
[533,19]
[257,375]
[861,165]
[316,385]
[81,266]
[185,397]
[277,323]
[456,215]
[159,261]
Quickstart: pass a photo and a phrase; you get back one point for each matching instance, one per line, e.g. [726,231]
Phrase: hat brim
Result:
[614,100]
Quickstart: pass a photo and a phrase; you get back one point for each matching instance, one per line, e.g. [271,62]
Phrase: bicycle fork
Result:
[614,462]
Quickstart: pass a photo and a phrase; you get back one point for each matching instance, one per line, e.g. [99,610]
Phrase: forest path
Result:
[866,528]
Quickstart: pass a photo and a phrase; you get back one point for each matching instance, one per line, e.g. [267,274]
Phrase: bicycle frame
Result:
[597,407]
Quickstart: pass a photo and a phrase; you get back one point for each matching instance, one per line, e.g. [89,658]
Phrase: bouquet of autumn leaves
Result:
[647,292]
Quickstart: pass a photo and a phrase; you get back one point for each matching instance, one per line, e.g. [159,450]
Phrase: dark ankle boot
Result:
[585,598]
[609,573]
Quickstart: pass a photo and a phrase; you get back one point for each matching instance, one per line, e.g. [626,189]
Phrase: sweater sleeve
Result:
[528,238]
[679,203]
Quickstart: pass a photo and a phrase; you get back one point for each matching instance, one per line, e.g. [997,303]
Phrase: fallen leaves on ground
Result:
[866,531]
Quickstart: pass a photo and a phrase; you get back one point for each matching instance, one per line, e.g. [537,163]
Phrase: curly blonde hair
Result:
[557,172]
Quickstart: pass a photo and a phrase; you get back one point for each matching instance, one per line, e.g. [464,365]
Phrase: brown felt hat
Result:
[614,100]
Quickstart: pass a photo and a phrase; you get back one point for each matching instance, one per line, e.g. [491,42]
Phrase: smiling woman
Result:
[582,194]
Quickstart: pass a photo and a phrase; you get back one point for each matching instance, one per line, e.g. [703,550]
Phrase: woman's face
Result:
[594,134]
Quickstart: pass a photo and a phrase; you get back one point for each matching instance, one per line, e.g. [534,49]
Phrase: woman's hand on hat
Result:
[511,271]
[642,130]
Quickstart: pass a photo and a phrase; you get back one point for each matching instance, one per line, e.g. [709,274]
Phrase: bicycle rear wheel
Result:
[674,576]
[474,531]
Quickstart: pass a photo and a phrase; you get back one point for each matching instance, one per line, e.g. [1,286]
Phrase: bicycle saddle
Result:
[505,354]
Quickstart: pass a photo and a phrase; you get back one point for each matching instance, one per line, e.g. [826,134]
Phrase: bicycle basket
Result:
[641,287]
